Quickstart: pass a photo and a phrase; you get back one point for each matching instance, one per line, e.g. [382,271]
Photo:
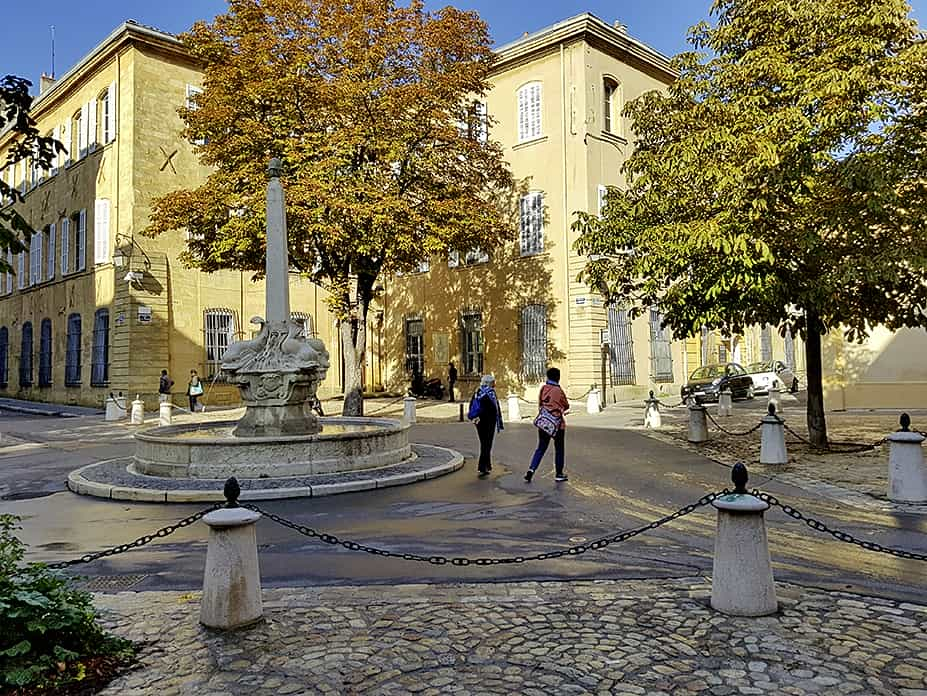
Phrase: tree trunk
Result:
[817,425]
[354,347]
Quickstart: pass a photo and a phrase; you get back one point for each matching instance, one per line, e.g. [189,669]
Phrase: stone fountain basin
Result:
[210,451]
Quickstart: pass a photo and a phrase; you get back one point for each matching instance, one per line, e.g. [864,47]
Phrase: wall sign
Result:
[144,315]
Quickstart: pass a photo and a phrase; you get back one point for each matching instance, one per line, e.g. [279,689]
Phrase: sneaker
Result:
[528,475]
[561,477]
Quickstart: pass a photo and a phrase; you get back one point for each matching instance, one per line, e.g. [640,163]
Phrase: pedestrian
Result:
[451,380]
[551,425]
[194,390]
[487,417]
[164,387]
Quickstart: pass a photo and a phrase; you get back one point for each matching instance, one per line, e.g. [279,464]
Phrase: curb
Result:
[38,411]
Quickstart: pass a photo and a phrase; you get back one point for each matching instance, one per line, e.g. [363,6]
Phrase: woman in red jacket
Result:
[553,401]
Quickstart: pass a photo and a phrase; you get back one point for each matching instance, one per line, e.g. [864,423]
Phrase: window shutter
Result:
[64,157]
[101,231]
[52,259]
[35,259]
[21,271]
[525,224]
[537,218]
[56,160]
[65,242]
[110,124]
[82,132]
[603,190]
[24,181]
[92,126]
[9,276]
[82,240]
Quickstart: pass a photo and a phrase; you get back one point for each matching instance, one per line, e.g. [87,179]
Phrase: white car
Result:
[772,374]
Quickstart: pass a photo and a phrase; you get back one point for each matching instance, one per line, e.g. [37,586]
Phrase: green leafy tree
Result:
[779,180]
[25,143]
[386,162]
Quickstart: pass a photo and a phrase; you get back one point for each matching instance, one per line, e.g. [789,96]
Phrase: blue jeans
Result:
[543,441]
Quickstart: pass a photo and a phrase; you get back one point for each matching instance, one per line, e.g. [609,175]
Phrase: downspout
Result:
[566,226]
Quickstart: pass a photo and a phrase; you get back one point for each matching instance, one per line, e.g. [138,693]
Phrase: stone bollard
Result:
[408,409]
[514,409]
[593,405]
[725,403]
[773,397]
[165,411]
[772,439]
[115,407]
[741,578]
[652,417]
[698,423]
[907,475]
[232,579]
[138,411]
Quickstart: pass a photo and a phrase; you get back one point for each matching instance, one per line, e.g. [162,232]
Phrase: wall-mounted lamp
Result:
[122,255]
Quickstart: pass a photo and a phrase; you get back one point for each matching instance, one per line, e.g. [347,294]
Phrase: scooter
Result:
[427,389]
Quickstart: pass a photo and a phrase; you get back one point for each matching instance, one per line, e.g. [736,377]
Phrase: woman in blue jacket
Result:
[487,417]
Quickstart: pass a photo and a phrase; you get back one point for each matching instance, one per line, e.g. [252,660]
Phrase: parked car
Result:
[772,373]
[708,381]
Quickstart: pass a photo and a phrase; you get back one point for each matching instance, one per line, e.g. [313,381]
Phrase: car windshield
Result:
[708,372]
[760,367]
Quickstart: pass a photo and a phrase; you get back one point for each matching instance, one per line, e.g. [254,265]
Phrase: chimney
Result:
[45,83]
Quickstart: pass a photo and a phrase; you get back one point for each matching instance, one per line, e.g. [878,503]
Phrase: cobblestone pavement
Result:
[604,637]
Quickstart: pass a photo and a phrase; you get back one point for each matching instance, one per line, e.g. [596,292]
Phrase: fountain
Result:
[279,448]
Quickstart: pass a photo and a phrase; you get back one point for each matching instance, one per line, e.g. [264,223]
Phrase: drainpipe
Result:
[566,226]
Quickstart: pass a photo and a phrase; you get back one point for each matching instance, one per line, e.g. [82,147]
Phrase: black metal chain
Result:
[836,533]
[141,541]
[729,432]
[846,447]
[596,545]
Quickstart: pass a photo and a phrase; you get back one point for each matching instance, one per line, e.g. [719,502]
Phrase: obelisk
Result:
[277,263]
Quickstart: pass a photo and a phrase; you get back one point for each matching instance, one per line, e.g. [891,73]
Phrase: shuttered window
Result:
[107,106]
[35,259]
[45,353]
[620,347]
[99,360]
[51,258]
[21,271]
[471,341]
[219,332]
[25,356]
[529,112]
[72,355]
[415,346]
[532,223]
[65,244]
[661,357]
[534,342]
[4,356]
[611,108]
[81,242]
[766,343]
[101,231]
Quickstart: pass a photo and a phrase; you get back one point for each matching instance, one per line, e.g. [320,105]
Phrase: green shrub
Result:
[49,629]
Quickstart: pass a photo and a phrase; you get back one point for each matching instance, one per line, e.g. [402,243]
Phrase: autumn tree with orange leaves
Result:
[371,107]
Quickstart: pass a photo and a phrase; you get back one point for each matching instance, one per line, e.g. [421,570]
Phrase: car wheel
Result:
[794,385]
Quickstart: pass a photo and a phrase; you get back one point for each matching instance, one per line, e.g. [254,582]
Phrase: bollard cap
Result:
[740,477]
[771,409]
[905,422]
[231,491]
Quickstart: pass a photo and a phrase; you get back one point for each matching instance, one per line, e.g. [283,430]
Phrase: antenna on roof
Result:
[53,51]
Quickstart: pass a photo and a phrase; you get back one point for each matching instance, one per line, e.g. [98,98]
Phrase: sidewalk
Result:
[634,637]
[40,408]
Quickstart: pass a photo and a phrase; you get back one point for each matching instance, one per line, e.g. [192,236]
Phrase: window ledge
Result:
[528,143]
[533,255]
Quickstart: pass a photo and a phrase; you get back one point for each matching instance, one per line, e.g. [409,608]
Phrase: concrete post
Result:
[165,411]
[741,578]
[698,423]
[593,405]
[115,407]
[907,474]
[408,413]
[514,409]
[138,411]
[772,439]
[232,579]
[725,403]
[773,397]
[652,418]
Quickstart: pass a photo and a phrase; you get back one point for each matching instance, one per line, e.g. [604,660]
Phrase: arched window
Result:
[4,356]
[25,356]
[72,356]
[529,112]
[99,361]
[611,93]
[45,353]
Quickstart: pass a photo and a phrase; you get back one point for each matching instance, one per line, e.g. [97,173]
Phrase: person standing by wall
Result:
[552,406]
[451,380]
[164,387]
[194,390]
[487,417]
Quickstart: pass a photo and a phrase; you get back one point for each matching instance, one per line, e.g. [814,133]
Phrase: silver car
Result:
[772,374]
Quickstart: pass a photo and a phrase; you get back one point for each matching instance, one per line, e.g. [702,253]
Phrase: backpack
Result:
[474,409]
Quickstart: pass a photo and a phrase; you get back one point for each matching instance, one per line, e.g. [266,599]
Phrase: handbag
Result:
[196,389]
[547,422]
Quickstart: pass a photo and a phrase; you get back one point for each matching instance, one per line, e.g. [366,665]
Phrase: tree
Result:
[371,106]
[779,180]
[25,143]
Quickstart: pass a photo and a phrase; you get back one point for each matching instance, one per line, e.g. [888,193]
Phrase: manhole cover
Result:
[110,583]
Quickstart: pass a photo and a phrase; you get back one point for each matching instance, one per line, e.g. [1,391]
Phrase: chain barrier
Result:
[836,533]
[596,545]
[730,432]
[681,404]
[141,541]
[846,447]
[384,407]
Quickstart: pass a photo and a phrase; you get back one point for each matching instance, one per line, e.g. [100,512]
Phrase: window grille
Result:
[532,223]
[620,347]
[305,320]
[722,353]
[661,357]
[45,353]
[72,356]
[766,343]
[4,356]
[471,341]
[534,342]
[789,350]
[219,330]
[529,112]
[25,356]
[415,346]
[99,360]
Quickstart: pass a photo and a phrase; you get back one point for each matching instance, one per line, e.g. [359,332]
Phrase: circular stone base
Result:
[117,479]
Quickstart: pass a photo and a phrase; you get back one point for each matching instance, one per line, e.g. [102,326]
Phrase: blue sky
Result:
[25,48]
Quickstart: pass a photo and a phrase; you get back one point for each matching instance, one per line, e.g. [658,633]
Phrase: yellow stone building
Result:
[75,325]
